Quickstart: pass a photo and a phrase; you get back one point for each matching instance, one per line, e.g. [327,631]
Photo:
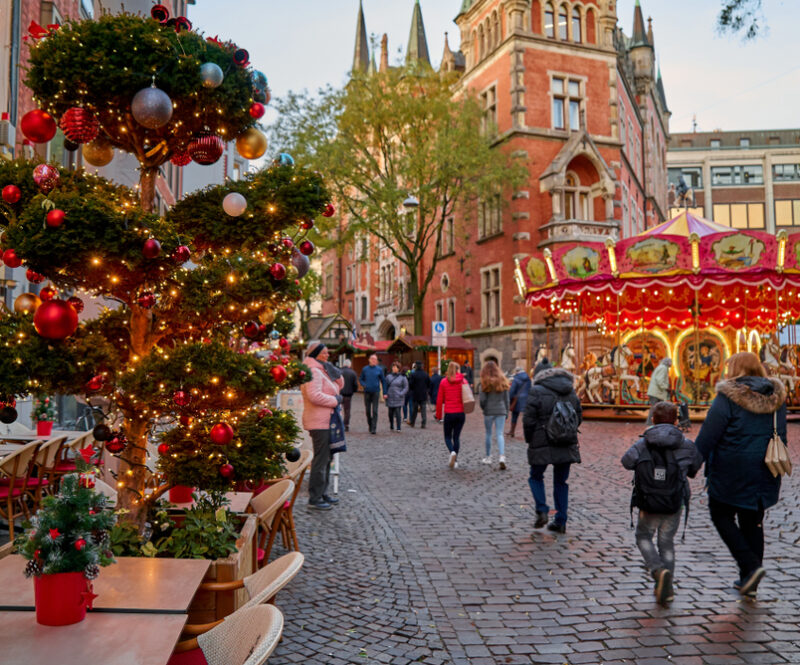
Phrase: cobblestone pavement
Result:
[423,564]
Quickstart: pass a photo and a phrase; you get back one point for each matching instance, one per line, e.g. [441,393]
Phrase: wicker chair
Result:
[246,637]
[269,506]
[45,461]
[15,471]
[294,472]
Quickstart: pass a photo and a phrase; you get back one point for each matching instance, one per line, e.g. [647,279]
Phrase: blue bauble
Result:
[274,335]
[259,81]
[285,159]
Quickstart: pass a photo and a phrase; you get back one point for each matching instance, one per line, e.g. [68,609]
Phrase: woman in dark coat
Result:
[733,442]
[518,395]
[550,384]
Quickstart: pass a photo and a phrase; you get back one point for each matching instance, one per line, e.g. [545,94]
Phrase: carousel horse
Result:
[568,358]
[788,365]
[541,354]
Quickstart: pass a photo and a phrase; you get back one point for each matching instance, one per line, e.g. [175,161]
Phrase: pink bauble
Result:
[46,177]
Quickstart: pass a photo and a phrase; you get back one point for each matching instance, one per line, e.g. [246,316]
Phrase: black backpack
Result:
[657,482]
[562,426]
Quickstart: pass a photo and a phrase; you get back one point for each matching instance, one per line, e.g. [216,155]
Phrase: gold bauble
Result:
[266,316]
[251,143]
[98,152]
[26,303]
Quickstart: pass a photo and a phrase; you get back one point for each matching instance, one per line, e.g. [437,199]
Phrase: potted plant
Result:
[66,542]
[43,415]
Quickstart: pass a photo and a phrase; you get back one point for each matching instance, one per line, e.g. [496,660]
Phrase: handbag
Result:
[337,442]
[777,457]
[467,398]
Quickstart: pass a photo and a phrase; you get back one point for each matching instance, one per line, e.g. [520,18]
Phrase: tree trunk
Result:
[133,472]
[147,187]
[417,299]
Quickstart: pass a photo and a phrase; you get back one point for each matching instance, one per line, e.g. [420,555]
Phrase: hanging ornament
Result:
[55,217]
[221,434]
[180,23]
[257,110]
[185,420]
[278,373]
[11,259]
[181,398]
[117,443]
[101,432]
[79,125]
[288,243]
[264,413]
[241,57]
[151,107]
[260,80]
[8,414]
[70,146]
[329,211]
[26,303]
[278,271]
[206,149]
[251,330]
[76,303]
[34,277]
[284,159]
[46,177]
[251,143]
[274,335]
[181,254]
[306,247]
[211,75]
[160,13]
[55,319]
[163,449]
[226,470]
[307,224]
[301,263]
[234,204]
[80,544]
[147,300]
[38,126]
[180,157]
[262,329]
[151,248]
[293,455]
[284,343]
[11,194]
[48,293]
[98,153]
[266,315]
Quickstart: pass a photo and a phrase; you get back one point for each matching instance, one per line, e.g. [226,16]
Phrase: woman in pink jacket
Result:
[320,398]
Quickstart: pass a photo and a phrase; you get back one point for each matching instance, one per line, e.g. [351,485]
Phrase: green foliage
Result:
[741,16]
[44,409]
[52,539]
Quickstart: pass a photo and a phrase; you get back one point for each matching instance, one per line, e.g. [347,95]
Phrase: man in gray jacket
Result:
[658,389]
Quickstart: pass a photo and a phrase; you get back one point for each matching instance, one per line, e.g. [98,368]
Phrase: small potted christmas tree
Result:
[65,543]
[43,415]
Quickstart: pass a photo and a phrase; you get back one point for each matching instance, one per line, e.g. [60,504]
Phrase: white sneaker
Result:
[486,460]
[452,461]
[502,462]
[455,466]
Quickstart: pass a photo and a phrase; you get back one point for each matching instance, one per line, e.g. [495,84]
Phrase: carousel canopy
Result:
[686,271]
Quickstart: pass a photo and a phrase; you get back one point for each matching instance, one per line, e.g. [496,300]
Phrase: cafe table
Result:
[55,434]
[132,585]
[103,638]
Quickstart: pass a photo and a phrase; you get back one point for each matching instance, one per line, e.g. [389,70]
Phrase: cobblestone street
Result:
[419,563]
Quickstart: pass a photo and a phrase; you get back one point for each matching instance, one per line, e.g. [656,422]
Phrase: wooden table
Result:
[141,585]
[107,638]
[56,433]
[239,502]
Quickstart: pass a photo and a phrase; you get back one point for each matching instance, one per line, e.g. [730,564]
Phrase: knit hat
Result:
[314,349]
[543,365]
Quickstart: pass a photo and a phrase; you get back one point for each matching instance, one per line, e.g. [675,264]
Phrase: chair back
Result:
[105,489]
[17,466]
[246,637]
[267,504]
[298,468]
[49,453]
[263,585]
[81,442]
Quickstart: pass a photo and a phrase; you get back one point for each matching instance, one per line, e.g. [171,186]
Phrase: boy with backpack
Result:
[661,461]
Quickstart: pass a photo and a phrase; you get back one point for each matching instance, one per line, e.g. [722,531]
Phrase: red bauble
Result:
[181,397]
[55,319]
[307,224]
[11,194]
[79,125]
[221,434]
[251,329]
[257,110]
[56,217]
[329,211]
[263,413]
[226,470]
[285,360]
[46,177]
[147,299]
[302,374]
[76,303]
[11,259]
[181,254]
[151,248]
[163,449]
[306,247]
[38,126]
[206,149]
[116,444]
[262,329]
[180,157]
[48,293]
[186,420]
[278,271]
[33,277]
[278,373]
[288,243]
[95,383]
[284,343]
[80,544]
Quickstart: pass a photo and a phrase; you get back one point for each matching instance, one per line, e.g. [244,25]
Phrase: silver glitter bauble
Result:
[211,75]
[152,107]
[301,262]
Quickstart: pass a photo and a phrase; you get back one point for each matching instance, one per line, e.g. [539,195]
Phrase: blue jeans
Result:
[499,423]
[560,489]
[408,406]
[453,423]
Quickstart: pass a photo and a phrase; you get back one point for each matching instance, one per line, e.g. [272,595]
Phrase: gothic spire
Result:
[361,54]
[639,34]
[417,42]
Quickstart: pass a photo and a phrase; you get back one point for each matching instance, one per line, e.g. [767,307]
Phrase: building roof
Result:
[685,224]
[465,5]
[731,139]
[361,54]
[417,42]
[318,326]
[660,88]
[639,37]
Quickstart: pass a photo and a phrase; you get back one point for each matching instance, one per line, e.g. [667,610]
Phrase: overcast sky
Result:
[728,84]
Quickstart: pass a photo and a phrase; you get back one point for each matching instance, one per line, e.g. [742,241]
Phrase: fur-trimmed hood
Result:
[558,380]
[754,393]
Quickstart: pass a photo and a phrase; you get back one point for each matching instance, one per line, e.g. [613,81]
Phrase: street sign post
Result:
[439,339]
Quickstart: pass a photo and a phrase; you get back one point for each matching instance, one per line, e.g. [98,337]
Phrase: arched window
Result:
[576,25]
[590,27]
[562,23]
[549,21]
[497,35]
[577,203]
[481,43]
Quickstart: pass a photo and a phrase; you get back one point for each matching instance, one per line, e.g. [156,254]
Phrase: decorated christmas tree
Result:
[196,340]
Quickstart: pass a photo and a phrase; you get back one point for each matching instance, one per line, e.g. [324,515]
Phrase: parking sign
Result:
[439,334]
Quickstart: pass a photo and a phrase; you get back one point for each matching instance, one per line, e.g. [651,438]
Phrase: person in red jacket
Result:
[450,407]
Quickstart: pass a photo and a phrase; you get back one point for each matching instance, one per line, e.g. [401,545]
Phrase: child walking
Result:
[494,404]
[661,460]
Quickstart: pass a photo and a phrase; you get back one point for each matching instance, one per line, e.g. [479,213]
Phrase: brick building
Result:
[584,104]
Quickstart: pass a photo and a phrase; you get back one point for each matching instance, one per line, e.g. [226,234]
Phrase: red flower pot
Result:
[44,428]
[60,598]
[180,494]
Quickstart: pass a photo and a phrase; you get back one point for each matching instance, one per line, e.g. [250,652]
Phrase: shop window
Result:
[787,213]
[740,215]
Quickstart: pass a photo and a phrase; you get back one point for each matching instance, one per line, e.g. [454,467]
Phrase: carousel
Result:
[689,289]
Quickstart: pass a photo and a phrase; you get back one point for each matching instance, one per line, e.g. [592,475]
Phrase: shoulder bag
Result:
[777,457]
[467,398]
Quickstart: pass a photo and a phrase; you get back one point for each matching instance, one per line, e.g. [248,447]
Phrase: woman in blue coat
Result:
[518,394]
[733,442]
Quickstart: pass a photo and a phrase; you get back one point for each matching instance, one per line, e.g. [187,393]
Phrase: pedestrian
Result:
[748,408]
[408,405]
[394,392]
[466,370]
[518,394]
[662,460]
[658,388]
[320,397]
[494,404]
[371,381]
[550,423]
[350,387]
[436,379]
[450,408]
[419,385]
